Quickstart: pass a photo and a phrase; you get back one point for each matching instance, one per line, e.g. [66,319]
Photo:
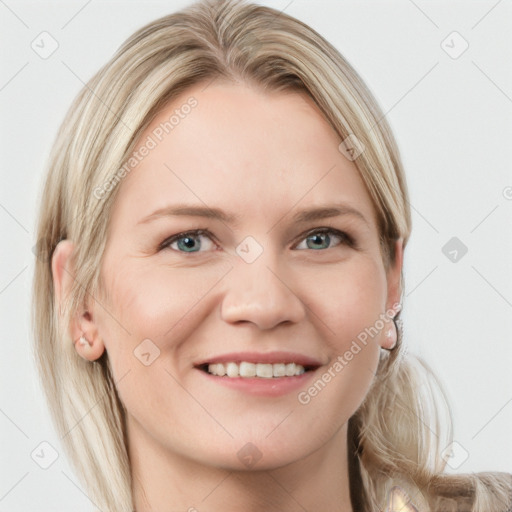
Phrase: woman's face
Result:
[286,268]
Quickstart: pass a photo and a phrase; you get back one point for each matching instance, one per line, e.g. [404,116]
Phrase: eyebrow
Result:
[307,215]
[192,211]
[329,211]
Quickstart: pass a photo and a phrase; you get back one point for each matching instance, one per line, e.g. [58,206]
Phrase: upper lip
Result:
[262,357]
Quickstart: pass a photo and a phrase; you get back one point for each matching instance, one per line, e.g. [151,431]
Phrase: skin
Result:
[263,156]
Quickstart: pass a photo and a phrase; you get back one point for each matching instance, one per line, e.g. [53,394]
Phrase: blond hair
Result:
[393,437]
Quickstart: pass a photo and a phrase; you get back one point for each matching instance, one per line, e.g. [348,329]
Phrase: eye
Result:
[321,238]
[195,240]
[190,241]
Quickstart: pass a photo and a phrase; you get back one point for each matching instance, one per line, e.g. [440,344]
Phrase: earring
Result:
[83,341]
[391,336]
[392,331]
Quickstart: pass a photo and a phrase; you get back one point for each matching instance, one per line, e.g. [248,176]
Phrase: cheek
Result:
[347,303]
[347,312]
[154,310]
[154,302]
[173,307]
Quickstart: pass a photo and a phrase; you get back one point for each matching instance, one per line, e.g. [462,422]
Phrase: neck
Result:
[166,481]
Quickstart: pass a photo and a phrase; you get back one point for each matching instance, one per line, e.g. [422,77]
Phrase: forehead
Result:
[241,149]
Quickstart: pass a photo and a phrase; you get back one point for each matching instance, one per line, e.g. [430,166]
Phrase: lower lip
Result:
[262,387]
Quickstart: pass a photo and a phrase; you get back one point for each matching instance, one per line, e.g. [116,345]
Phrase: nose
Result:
[261,295]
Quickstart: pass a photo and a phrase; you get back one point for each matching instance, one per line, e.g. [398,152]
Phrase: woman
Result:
[226,214]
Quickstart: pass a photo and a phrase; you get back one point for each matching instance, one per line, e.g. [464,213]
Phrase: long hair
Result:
[395,436]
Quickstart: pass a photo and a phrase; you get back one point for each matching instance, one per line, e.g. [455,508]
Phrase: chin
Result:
[253,458]
[260,451]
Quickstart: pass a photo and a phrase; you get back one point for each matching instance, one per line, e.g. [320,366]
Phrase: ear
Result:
[394,292]
[82,329]
[394,277]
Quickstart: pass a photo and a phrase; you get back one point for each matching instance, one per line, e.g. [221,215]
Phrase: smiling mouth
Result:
[246,369]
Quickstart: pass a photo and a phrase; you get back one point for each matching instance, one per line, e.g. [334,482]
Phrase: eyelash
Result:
[345,238]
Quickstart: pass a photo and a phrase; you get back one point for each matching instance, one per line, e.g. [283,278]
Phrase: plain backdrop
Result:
[451,110]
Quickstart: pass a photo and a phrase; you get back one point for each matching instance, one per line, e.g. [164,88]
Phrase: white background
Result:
[452,119]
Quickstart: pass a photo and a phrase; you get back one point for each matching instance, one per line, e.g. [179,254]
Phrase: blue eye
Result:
[321,239]
[188,242]
[192,241]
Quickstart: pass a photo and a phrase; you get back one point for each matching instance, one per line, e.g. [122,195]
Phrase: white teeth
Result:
[299,369]
[279,370]
[290,369]
[219,369]
[262,370]
[247,369]
[232,370]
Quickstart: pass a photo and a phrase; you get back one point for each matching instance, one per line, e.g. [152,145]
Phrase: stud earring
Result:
[391,334]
